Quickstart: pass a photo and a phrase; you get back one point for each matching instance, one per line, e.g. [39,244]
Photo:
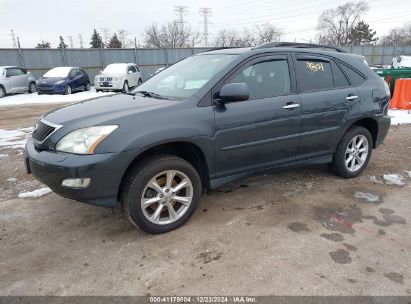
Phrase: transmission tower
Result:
[70,39]
[80,40]
[205,12]
[181,12]
[13,38]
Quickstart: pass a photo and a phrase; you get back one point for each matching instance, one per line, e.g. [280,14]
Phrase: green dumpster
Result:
[391,75]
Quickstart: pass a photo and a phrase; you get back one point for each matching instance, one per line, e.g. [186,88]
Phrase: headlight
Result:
[84,141]
[60,82]
[116,78]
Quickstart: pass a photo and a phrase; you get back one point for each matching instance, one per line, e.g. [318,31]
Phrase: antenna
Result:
[205,12]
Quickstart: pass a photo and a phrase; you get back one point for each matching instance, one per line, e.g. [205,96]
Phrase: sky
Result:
[33,21]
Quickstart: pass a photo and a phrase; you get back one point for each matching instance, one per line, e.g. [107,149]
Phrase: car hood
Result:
[110,109]
[50,80]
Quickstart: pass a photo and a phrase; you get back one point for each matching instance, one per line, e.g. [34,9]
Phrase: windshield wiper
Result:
[149,94]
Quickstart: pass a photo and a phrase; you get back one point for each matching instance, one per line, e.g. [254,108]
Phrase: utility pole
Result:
[80,39]
[181,11]
[205,12]
[13,38]
[122,35]
[106,35]
[70,38]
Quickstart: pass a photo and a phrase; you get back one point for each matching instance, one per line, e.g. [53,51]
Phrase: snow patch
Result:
[399,117]
[408,173]
[3,155]
[14,139]
[20,99]
[394,179]
[36,193]
[367,196]
[374,180]
[12,179]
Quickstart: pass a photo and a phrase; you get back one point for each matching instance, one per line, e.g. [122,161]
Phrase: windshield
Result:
[186,77]
[115,69]
[58,72]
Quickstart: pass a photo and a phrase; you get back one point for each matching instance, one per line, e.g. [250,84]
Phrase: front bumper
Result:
[384,123]
[105,171]
[56,89]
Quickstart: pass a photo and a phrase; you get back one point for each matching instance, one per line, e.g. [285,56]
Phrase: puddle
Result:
[341,256]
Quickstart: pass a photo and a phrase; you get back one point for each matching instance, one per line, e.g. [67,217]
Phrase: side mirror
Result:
[233,92]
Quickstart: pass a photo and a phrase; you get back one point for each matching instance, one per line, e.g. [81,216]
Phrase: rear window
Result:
[355,78]
[315,74]
[340,80]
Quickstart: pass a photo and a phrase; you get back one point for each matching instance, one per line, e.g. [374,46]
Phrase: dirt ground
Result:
[297,232]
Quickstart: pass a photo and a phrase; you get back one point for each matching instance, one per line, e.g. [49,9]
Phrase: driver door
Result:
[263,131]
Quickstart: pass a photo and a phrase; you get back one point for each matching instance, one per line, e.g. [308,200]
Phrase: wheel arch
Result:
[4,88]
[371,125]
[188,151]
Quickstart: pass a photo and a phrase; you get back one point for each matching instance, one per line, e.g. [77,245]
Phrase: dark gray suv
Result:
[208,120]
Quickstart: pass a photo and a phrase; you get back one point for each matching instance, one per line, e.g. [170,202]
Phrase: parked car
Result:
[15,80]
[403,61]
[118,77]
[63,80]
[231,113]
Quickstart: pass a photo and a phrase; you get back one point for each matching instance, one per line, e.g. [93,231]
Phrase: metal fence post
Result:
[373,54]
[101,56]
[383,54]
[166,56]
[135,51]
[19,53]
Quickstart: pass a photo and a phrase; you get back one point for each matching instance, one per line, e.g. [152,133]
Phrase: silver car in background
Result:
[15,80]
[118,76]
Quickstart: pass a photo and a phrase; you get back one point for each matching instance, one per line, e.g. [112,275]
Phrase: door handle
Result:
[351,97]
[291,106]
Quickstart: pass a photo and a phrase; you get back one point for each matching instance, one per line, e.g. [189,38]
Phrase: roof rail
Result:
[298,45]
[221,48]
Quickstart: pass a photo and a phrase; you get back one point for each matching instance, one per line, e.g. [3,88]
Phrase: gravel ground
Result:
[296,232]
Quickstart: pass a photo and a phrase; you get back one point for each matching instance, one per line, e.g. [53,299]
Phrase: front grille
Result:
[105,78]
[42,131]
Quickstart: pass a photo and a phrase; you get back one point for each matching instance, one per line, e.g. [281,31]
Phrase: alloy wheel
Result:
[167,197]
[356,153]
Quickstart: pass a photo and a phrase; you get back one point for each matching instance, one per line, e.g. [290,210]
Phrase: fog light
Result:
[76,182]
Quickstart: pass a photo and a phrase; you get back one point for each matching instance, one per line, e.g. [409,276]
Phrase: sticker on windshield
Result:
[315,67]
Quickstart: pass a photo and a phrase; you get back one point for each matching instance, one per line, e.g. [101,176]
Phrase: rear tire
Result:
[87,87]
[167,206]
[139,81]
[32,87]
[353,153]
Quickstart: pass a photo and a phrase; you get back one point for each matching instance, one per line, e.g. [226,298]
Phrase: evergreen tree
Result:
[96,41]
[114,42]
[43,45]
[362,34]
[62,44]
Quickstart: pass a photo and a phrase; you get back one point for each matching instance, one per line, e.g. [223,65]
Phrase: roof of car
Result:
[8,66]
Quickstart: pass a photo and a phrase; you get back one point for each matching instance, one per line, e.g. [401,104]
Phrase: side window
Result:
[79,72]
[265,79]
[340,80]
[73,73]
[131,69]
[14,72]
[355,78]
[137,69]
[315,74]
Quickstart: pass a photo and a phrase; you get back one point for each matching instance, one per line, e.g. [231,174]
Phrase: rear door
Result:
[327,102]
[262,131]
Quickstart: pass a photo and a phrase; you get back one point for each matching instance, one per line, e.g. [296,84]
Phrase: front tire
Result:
[68,90]
[161,193]
[125,87]
[87,87]
[2,92]
[353,153]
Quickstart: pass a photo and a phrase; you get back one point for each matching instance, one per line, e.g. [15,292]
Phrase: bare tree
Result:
[267,33]
[335,25]
[398,36]
[170,35]
[227,38]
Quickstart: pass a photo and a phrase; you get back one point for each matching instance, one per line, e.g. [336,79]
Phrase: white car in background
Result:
[15,80]
[118,76]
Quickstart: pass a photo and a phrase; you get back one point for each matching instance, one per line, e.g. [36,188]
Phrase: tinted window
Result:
[132,69]
[354,77]
[315,74]
[73,73]
[136,67]
[265,79]
[14,72]
[340,80]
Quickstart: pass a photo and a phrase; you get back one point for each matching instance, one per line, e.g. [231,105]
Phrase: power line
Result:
[70,39]
[205,12]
